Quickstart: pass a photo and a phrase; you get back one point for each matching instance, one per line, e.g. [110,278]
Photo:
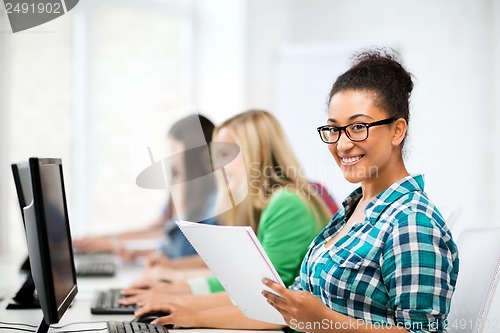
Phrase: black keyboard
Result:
[96,269]
[134,327]
[106,302]
[95,264]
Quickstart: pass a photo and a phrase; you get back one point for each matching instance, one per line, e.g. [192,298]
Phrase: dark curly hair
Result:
[381,72]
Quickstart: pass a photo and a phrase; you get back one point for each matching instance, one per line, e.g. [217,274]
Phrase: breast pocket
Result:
[348,271]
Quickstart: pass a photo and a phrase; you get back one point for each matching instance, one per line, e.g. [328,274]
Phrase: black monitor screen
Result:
[49,240]
[57,231]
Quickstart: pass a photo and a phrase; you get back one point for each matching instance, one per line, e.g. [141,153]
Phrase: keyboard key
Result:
[134,327]
[107,302]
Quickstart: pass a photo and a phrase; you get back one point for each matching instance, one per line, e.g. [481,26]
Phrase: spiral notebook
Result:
[236,257]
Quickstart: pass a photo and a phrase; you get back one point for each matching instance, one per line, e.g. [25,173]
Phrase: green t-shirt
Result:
[286,228]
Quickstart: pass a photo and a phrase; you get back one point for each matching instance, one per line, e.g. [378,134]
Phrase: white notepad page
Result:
[236,257]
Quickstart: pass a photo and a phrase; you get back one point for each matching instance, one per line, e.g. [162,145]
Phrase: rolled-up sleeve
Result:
[296,285]
[419,267]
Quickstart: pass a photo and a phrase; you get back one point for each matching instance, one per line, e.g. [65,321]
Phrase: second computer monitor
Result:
[22,179]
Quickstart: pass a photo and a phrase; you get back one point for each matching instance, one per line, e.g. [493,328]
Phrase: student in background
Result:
[386,261]
[195,205]
[281,207]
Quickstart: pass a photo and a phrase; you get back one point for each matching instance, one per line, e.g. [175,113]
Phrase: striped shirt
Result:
[398,267]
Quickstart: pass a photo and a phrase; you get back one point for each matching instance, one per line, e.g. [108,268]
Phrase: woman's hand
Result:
[93,244]
[179,316]
[299,308]
[158,273]
[157,258]
[130,255]
[156,292]
[143,297]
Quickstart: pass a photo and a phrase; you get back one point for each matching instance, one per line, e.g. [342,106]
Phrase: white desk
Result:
[80,309]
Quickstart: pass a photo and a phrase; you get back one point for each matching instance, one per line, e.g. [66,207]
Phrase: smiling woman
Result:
[386,260]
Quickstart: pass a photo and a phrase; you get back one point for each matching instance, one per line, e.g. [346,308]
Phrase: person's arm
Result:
[112,243]
[193,261]
[157,295]
[228,317]
[158,259]
[157,273]
[420,268]
[303,311]
[176,251]
[155,229]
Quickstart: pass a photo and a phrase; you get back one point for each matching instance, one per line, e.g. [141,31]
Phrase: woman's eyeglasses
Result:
[355,132]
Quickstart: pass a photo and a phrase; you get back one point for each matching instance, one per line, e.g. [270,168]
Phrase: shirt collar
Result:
[376,206]
[385,198]
[339,219]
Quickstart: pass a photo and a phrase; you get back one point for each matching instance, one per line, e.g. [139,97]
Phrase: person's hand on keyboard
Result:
[157,292]
[179,316]
[130,255]
[164,286]
[92,244]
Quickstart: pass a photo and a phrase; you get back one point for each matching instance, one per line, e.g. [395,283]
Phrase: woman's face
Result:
[360,161]
[235,169]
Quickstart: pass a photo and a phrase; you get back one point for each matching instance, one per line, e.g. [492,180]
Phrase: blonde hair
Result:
[270,166]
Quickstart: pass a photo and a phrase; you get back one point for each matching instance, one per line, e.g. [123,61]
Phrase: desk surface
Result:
[79,311]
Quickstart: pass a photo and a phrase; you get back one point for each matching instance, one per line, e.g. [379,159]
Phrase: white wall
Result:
[219,54]
[448,45]
[269,27]
[4,167]
[495,92]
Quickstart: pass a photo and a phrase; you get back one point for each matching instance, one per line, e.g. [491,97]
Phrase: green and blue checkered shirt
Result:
[398,267]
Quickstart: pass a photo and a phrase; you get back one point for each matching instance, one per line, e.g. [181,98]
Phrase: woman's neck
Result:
[382,180]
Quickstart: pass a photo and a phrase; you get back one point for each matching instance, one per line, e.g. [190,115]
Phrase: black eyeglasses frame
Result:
[344,129]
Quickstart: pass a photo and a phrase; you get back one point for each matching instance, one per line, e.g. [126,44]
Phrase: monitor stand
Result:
[43,327]
[25,297]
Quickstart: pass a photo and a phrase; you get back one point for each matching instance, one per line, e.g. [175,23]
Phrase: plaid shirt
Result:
[398,267]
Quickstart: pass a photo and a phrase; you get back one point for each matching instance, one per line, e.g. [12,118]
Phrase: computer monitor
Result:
[99,264]
[25,297]
[49,240]
[22,179]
